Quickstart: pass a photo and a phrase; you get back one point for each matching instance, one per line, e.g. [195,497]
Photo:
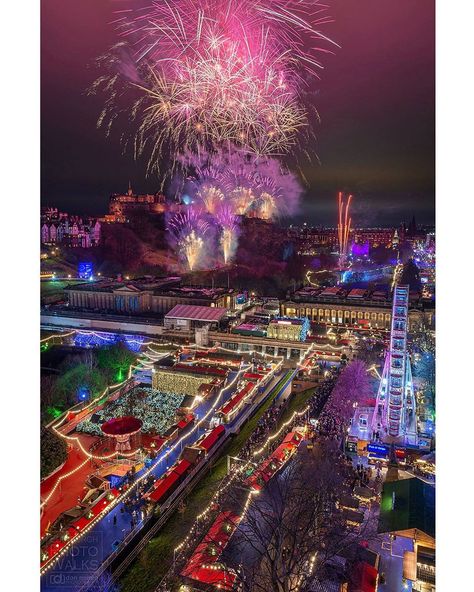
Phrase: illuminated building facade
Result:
[376,237]
[365,308]
[60,228]
[121,205]
[157,296]
[289,329]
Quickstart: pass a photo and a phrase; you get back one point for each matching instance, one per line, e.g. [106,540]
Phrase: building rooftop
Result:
[165,286]
[380,295]
[407,504]
[137,285]
[332,291]
[191,312]
[357,293]
[287,321]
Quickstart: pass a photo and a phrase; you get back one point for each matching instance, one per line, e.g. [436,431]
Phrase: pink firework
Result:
[209,72]
[208,188]
[228,225]
[250,186]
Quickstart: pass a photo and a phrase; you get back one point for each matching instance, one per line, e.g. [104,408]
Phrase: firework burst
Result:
[188,231]
[204,73]
[206,185]
[228,225]
[248,186]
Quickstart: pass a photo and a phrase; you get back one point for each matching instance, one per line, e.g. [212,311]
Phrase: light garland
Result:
[282,427]
[69,543]
[54,560]
[373,368]
[232,478]
[60,479]
[60,335]
[244,369]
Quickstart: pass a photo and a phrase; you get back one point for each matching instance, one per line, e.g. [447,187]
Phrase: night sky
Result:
[375,100]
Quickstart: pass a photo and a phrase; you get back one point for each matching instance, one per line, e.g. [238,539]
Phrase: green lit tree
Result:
[115,361]
[53,452]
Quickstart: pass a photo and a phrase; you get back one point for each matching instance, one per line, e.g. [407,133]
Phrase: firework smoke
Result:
[206,186]
[260,188]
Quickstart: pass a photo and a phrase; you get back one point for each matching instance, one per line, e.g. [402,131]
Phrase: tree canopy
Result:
[53,452]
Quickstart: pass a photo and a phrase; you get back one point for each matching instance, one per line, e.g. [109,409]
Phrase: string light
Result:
[283,426]
[166,454]
[236,473]
[54,560]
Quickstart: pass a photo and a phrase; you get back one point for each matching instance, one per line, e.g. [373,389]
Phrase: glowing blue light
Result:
[83,393]
[85,270]
[187,199]
[88,339]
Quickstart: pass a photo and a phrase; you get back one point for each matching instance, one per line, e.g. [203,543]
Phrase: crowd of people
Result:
[266,425]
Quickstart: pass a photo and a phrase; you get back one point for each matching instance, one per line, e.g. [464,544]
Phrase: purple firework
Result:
[187,231]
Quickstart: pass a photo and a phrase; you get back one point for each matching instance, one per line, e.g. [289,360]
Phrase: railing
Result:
[172,503]
[152,522]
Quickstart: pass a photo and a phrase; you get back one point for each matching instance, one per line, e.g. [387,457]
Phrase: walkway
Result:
[85,556]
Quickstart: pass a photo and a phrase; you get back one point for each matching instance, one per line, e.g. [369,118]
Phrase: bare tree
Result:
[287,534]
[294,527]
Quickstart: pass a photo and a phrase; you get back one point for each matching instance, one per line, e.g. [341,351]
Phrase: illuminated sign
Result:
[85,270]
[378,450]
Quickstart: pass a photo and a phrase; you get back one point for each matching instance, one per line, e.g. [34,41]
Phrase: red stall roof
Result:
[293,438]
[253,376]
[163,486]
[364,578]
[217,536]
[221,578]
[208,441]
[237,398]
[186,421]
[276,459]
[182,466]
[57,544]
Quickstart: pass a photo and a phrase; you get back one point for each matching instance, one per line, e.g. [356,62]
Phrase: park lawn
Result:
[153,563]
[51,287]
[56,287]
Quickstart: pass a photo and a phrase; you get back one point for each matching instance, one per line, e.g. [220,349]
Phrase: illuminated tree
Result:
[425,370]
[352,387]
[53,452]
[115,360]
